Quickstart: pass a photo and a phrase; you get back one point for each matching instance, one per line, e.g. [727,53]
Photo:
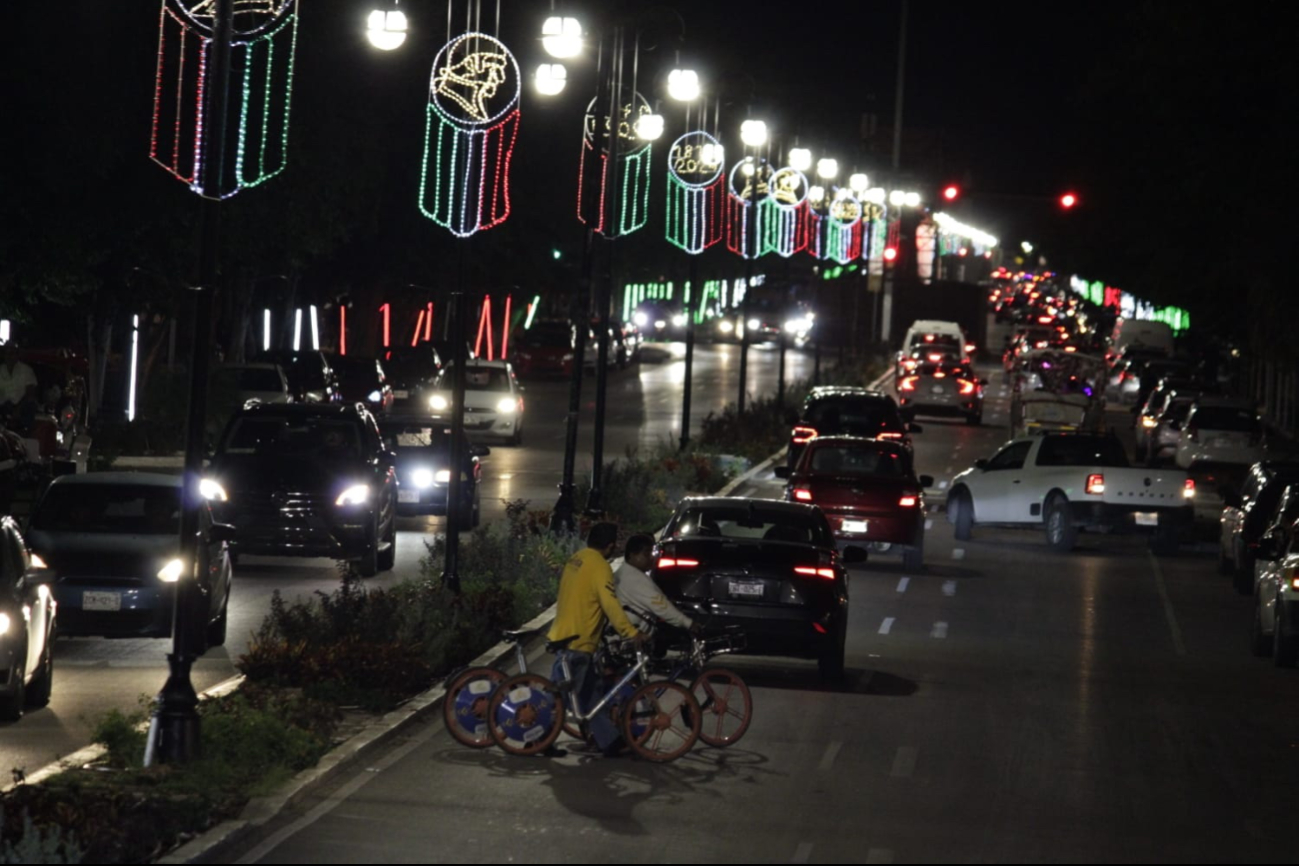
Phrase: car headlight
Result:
[438,403]
[171,572]
[443,476]
[210,490]
[754,324]
[640,319]
[374,397]
[725,326]
[507,405]
[357,494]
[422,478]
[568,357]
[793,326]
[679,321]
[37,562]
[4,623]
[660,324]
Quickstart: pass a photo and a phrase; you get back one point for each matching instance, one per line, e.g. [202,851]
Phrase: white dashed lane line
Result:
[949,587]
[939,630]
[958,553]
[831,752]
[904,762]
[887,625]
[902,583]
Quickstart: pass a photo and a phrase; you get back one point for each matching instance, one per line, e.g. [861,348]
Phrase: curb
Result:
[210,845]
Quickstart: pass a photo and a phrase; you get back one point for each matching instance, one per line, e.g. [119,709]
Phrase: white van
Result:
[940,335]
[1132,332]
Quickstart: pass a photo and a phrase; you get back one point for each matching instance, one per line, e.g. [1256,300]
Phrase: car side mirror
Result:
[981,463]
[915,428]
[781,471]
[854,554]
[219,532]
[926,481]
[476,450]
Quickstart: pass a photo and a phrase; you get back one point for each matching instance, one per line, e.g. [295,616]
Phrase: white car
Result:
[1275,627]
[1064,482]
[931,333]
[493,400]
[1220,430]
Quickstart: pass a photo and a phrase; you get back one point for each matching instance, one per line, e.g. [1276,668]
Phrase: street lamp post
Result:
[754,135]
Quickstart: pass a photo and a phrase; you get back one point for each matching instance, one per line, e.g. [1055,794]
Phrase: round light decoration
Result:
[753,133]
[550,79]
[262,56]
[876,195]
[800,159]
[683,85]
[561,37]
[695,193]
[912,199]
[386,30]
[472,121]
[634,155]
[784,213]
[897,197]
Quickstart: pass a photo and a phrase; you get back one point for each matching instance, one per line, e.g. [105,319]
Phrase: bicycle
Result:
[469,691]
[723,696]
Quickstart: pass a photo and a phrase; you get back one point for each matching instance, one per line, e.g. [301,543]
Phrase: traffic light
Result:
[1068,200]
[951,192]
[556,254]
[890,253]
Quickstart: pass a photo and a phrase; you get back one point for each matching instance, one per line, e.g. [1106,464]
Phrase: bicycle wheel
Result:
[526,714]
[465,708]
[660,722]
[725,704]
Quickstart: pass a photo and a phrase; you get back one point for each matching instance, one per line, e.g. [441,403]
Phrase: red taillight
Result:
[1188,489]
[910,365]
[967,387]
[814,572]
[820,629]
[929,338]
[907,501]
[1045,320]
[939,374]
[669,562]
[934,356]
[802,494]
[1095,483]
[908,384]
[803,435]
[1071,348]
[887,435]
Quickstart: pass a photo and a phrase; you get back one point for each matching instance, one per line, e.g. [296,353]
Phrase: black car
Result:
[424,469]
[311,378]
[308,480]
[27,626]
[832,410]
[1246,515]
[363,380]
[769,567]
[411,372]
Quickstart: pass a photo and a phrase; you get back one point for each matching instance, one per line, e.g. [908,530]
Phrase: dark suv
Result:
[833,410]
[1246,515]
[307,480]
[311,378]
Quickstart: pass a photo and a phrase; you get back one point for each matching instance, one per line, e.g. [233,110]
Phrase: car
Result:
[264,382]
[1066,482]
[412,372]
[28,626]
[1221,430]
[1156,370]
[111,543]
[867,489]
[941,388]
[660,320]
[1274,629]
[546,348]
[1142,332]
[310,376]
[591,352]
[851,411]
[1246,515]
[1147,417]
[934,334]
[424,469]
[307,479]
[494,406]
[363,380]
[771,568]
[1163,438]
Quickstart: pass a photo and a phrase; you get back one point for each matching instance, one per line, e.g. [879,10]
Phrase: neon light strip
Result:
[532,311]
[428,324]
[387,317]
[266,330]
[419,325]
[297,329]
[342,329]
[478,341]
[487,317]
[315,330]
[135,366]
[505,328]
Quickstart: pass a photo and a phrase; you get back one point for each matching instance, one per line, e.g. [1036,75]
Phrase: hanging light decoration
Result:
[386,30]
[634,154]
[695,192]
[561,37]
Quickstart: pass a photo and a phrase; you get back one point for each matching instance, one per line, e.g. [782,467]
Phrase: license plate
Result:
[101,601]
[937,389]
[408,496]
[400,395]
[855,525]
[748,590]
[1146,518]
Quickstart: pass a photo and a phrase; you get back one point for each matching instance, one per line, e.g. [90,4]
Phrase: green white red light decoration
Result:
[784,214]
[748,186]
[634,160]
[262,56]
[695,192]
[471,123]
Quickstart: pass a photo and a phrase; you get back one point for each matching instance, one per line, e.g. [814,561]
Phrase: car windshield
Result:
[1081,451]
[858,460]
[479,379]
[253,378]
[548,334]
[752,522]
[125,509]
[1225,418]
[1177,410]
[326,438]
[852,417]
[925,341]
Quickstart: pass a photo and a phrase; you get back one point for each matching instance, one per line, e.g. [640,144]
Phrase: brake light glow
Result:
[888,435]
[1095,483]
[814,572]
[671,562]
[1071,348]
[820,629]
[970,347]
[1046,320]
[939,374]
[934,356]
[929,338]
[908,384]
[967,387]
[907,501]
[1149,421]
[1188,489]
[802,494]
[803,435]
[909,364]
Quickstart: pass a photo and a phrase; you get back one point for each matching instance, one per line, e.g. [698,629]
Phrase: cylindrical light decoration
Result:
[784,223]
[261,74]
[551,78]
[747,187]
[843,230]
[561,37]
[472,120]
[683,85]
[695,192]
[634,162]
[926,248]
[876,229]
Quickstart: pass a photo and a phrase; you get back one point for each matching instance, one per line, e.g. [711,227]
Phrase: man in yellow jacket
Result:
[586,602]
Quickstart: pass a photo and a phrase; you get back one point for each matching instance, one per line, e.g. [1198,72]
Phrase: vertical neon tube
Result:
[4,331]
[419,326]
[505,328]
[266,330]
[487,317]
[342,330]
[428,324]
[315,329]
[387,314]
[297,329]
[135,363]
[532,311]
[478,342]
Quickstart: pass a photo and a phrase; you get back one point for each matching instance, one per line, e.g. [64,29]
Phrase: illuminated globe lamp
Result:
[683,85]
[800,159]
[897,198]
[858,183]
[753,133]
[712,155]
[827,169]
[816,195]
[386,30]
[649,127]
[911,199]
[550,79]
[561,37]
[876,195]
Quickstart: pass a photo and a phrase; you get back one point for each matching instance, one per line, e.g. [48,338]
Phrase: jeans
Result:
[588,689]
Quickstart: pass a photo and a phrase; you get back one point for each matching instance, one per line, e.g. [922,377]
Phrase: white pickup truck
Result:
[1066,482]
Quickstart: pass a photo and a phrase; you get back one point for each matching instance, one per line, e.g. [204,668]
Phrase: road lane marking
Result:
[879,855]
[831,752]
[1173,627]
[802,852]
[902,583]
[958,553]
[887,624]
[939,630]
[929,523]
[949,587]
[904,762]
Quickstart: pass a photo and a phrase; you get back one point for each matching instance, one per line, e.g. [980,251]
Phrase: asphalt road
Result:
[94,675]
[1005,704]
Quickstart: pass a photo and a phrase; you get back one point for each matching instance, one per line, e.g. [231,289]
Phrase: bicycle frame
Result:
[634,671]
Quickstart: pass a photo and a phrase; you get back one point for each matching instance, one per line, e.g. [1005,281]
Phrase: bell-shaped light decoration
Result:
[897,197]
[386,30]
[800,159]
[712,155]
[753,133]
[683,85]
[649,127]
[551,78]
[827,169]
[912,199]
[561,37]
[858,183]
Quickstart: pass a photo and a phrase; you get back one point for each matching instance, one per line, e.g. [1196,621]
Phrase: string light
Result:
[473,100]
[634,156]
[748,187]
[505,328]
[783,213]
[263,48]
[695,190]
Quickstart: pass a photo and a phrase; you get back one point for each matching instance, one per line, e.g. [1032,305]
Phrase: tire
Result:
[1242,575]
[974,420]
[368,564]
[38,690]
[386,559]
[964,516]
[1284,649]
[516,440]
[831,661]
[11,708]
[526,714]
[725,706]
[661,721]
[1259,643]
[464,710]
[217,628]
[1061,534]
[1226,567]
[913,558]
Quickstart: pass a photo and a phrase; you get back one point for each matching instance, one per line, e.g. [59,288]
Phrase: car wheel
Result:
[1225,566]
[974,420]
[964,515]
[368,564]
[1259,644]
[38,690]
[11,708]
[387,558]
[913,558]
[217,628]
[831,661]
[517,439]
[1283,645]
[1061,533]
[1242,576]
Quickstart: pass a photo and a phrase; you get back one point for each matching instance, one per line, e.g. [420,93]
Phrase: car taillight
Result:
[929,338]
[910,365]
[908,384]
[967,387]
[907,501]
[1188,489]
[888,435]
[934,356]
[1095,483]
[803,435]
[1149,421]
[812,571]
[672,562]
[802,494]
[1071,348]
[970,347]
[1046,320]
[939,374]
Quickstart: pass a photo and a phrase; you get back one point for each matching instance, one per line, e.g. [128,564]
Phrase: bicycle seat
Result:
[555,646]
[518,635]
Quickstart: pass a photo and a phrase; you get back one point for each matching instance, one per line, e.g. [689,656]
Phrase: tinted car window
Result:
[1222,418]
[753,524]
[859,460]
[119,509]
[254,379]
[852,416]
[548,334]
[1177,410]
[1011,457]
[1081,451]
[328,438]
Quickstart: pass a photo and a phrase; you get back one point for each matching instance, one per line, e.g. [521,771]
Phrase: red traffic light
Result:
[1068,200]
[890,253]
[951,193]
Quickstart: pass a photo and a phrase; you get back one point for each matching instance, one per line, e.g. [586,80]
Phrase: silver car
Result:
[27,626]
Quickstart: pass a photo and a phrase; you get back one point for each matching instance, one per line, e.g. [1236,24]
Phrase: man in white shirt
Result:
[17,380]
[638,594]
